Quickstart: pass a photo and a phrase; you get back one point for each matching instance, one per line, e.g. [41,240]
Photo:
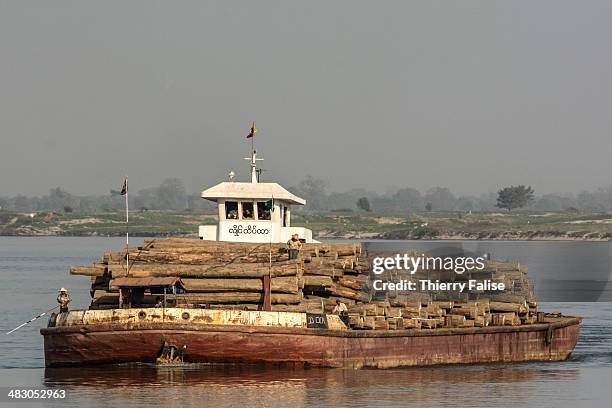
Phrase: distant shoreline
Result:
[340,224]
[513,238]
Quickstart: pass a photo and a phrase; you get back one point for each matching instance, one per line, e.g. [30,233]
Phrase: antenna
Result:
[253,160]
[259,173]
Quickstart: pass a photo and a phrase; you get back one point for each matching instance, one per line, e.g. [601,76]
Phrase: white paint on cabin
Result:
[253,212]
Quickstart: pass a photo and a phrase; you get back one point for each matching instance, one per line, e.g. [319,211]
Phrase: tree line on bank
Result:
[171,194]
[442,199]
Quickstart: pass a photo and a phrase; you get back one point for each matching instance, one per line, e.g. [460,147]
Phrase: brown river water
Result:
[32,269]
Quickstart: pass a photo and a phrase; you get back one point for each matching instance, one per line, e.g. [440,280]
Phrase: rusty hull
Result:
[142,342]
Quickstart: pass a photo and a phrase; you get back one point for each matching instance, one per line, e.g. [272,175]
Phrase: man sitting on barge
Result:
[341,310]
[294,245]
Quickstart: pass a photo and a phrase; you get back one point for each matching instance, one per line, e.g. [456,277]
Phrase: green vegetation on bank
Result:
[328,224]
[143,223]
[447,224]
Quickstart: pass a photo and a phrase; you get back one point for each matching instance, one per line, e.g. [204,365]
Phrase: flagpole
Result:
[252,157]
[127,234]
[253,140]
[268,282]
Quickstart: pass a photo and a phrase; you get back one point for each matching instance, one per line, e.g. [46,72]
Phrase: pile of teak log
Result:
[225,275]
[230,275]
[397,315]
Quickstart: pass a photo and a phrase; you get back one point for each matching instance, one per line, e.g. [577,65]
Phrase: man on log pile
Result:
[342,311]
[63,299]
[294,245]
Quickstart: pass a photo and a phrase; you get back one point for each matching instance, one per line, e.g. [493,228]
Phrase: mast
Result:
[124,192]
[253,157]
[127,231]
[254,165]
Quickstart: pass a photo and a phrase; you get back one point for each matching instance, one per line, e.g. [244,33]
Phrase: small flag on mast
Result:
[252,132]
[124,189]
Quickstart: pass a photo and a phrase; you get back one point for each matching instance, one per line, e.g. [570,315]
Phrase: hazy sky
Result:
[471,95]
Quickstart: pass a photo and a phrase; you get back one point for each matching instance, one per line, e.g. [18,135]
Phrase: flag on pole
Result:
[252,132]
[124,192]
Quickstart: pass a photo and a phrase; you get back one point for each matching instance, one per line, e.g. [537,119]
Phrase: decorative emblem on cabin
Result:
[236,230]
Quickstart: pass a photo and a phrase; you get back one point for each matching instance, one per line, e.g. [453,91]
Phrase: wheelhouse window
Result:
[247,210]
[264,210]
[231,210]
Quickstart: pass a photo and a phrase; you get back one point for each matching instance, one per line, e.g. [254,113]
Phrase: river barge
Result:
[236,296]
[253,337]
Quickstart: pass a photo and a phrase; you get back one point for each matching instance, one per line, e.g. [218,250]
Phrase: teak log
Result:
[508,307]
[220,297]
[288,284]
[237,297]
[220,285]
[318,281]
[352,282]
[350,294]
[216,246]
[94,270]
[239,270]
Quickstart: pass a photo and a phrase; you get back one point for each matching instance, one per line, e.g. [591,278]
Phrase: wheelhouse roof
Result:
[254,191]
